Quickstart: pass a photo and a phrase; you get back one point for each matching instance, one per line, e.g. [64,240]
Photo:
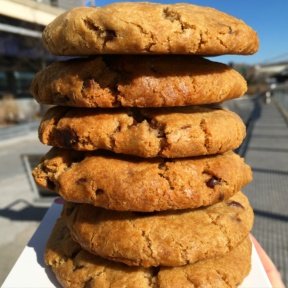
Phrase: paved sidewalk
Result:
[19,218]
[267,153]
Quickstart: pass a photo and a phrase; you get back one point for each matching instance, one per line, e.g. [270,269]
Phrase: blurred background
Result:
[264,110]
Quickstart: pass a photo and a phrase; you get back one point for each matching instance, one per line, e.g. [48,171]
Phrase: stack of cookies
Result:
[151,183]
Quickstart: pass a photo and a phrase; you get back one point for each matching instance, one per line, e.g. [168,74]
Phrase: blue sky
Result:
[268,18]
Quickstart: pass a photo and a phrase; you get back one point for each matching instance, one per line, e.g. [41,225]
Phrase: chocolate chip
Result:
[162,166]
[78,267]
[110,35]
[81,181]
[235,204]
[161,132]
[185,127]
[157,126]
[153,124]
[50,185]
[88,83]
[212,182]
[221,197]
[99,192]
[68,137]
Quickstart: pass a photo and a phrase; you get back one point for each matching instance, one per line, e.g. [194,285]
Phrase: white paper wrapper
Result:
[29,271]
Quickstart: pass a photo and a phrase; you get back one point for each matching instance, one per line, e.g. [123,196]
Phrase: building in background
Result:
[67,4]
[21,51]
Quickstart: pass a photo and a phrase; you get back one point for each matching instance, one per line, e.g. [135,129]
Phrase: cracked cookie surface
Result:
[76,268]
[168,133]
[121,182]
[169,238]
[151,28]
[130,81]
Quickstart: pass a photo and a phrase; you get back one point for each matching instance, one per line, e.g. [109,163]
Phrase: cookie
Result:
[227,271]
[151,28]
[137,81]
[169,238]
[174,132]
[121,182]
[76,268]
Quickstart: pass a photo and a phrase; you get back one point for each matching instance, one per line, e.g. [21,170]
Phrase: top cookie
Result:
[133,27]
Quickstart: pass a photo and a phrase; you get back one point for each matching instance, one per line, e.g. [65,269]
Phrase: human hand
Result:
[59,200]
[271,270]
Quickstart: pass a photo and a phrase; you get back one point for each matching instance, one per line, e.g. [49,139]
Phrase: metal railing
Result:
[280,97]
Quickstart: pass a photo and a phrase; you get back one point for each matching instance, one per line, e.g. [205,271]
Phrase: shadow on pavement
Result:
[22,210]
[269,171]
[268,149]
[269,136]
[270,215]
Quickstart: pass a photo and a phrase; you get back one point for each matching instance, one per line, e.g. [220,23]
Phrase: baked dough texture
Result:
[77,268]
[169,238]
[166,132]
[135,184]
[149,28]
[137,81]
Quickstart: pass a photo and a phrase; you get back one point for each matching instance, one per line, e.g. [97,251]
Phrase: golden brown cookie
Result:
[148,28]
[76,268]
[137,81]
[169,238]
[121,182]
[169,133]
[227,271]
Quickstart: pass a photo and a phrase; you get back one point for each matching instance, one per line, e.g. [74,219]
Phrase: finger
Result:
[270,269]
[59,200]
